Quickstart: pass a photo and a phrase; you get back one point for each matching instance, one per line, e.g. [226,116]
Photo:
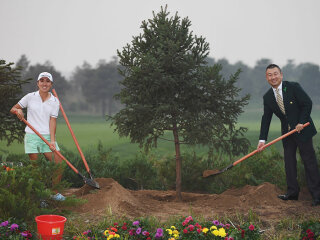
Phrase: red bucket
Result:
[50,227]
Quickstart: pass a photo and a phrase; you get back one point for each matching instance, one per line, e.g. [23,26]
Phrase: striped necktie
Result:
[280,101]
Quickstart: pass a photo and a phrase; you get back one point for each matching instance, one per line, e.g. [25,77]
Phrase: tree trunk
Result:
[178,163]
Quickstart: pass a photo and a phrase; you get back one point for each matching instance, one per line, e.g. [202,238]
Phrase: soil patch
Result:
[262,200]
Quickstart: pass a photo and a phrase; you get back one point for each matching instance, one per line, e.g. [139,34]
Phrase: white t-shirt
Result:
[38,112]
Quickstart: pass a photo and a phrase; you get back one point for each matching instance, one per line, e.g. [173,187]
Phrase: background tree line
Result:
[90,89]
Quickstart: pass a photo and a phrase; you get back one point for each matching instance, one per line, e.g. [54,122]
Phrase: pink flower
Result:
[191,228]
[14,227]
[251,227]
[185,230]
[4,224]
[135,223]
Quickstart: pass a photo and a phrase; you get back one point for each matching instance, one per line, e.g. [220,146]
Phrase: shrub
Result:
[24,188]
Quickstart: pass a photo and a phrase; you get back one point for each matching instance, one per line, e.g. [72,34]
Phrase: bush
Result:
[24,189]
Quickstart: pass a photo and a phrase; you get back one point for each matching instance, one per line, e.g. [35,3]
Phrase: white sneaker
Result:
[58,197]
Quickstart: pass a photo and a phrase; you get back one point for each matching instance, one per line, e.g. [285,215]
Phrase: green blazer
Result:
[298,107]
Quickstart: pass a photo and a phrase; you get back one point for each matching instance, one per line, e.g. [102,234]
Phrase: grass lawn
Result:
[89,130]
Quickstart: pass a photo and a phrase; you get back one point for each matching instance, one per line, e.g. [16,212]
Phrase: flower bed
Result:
[185,228]
[14,231]
[188,228]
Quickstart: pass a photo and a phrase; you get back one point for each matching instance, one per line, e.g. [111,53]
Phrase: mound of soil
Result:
[262,200]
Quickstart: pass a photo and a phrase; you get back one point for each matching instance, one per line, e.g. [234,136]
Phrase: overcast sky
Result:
[69,32]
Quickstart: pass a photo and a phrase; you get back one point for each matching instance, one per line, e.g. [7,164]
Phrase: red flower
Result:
[310,234]
[191,228]
[199,230]
[124,227]
[251,227]
[185,230]
[148,238]
[242,233]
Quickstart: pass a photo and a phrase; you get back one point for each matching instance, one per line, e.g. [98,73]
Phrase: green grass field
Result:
[89,130]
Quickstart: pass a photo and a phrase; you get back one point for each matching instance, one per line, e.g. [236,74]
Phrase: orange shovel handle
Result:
[71,131]
[45,140]
[270,143]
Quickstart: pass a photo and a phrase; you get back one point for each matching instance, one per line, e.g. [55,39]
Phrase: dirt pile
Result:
[260,199]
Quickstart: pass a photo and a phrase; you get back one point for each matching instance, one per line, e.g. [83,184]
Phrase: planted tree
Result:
[10,92]
[168,86]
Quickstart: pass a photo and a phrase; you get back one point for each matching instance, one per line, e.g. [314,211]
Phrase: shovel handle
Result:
[45,140]
[71,131]
[268,144]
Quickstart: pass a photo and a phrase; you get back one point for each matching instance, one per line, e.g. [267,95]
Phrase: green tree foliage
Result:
[169,87]
[100,84]
[60,84]
[310,80]
[10,91]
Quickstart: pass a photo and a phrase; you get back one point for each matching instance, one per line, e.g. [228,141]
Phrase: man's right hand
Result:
[260,146]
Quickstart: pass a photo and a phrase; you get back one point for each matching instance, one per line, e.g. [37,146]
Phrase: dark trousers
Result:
[307,153]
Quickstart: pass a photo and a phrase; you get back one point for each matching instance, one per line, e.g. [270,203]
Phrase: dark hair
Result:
[272,65]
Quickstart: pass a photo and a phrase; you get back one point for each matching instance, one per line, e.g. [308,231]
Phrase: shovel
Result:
[72,134]
[88,181]
[208,173]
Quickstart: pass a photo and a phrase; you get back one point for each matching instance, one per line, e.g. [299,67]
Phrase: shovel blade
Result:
[91,183]
[208,173]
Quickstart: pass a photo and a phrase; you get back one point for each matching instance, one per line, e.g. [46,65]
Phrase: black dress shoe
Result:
[315,202]
[288,197]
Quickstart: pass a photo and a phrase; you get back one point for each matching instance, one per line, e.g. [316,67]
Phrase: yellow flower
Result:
[117,236]
[106,232]
[176,235]
[169,231]
[171,239]
[173,227]
[215,232]
[176,232]
[222,232]
[205,230]
[213,228]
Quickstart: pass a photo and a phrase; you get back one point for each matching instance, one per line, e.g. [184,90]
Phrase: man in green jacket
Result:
[290,103]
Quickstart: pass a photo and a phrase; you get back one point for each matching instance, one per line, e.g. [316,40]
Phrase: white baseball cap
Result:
[45,74]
